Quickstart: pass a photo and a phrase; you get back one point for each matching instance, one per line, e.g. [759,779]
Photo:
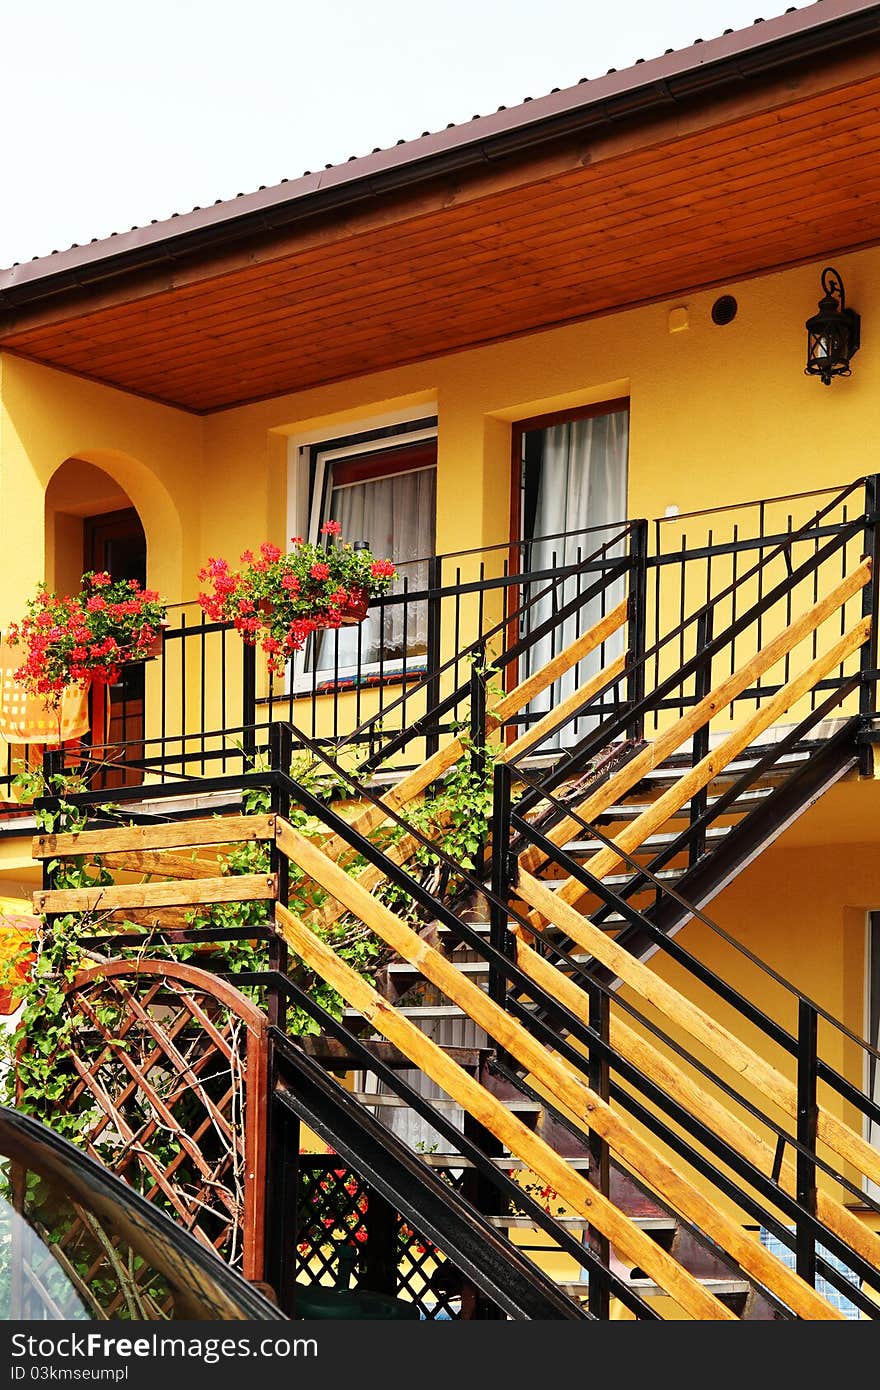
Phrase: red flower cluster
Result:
[86,636]
[278,599]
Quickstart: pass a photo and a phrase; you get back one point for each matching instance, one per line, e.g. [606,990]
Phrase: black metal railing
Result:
[705,593]
[713,614]
[209,707]
[708,629]
[799,1042]
[773,1208]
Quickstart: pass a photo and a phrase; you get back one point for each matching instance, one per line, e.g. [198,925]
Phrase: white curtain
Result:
[582,483]
[396,517]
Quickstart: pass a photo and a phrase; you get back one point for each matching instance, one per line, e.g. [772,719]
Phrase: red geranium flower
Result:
[86,636]
[278,600]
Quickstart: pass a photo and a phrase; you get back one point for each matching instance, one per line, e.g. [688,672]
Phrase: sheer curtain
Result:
[582,483]
[395,515]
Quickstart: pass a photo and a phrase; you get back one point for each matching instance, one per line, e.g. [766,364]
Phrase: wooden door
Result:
[115,542]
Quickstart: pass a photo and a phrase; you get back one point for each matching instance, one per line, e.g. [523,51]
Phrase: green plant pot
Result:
[351,1303]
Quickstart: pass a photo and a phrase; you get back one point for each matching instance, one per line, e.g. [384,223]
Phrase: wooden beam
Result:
[565,709]
[605,861]
[162,862]
[231,888]
[181,834]
[534,1152]
[700,1025]
[713,703]
[562,1082]
[369,877]
[692,1094]
[421,777]
[157,918]
[535,684]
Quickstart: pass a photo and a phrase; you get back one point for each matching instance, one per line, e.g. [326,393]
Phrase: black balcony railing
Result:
[397,688]
[209,705]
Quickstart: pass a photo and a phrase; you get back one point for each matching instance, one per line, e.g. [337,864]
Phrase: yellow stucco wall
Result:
[152,452]
[717,415]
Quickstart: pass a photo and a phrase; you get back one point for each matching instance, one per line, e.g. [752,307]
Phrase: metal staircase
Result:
[616,1125]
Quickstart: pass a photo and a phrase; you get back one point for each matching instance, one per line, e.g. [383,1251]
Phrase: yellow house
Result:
[556,364]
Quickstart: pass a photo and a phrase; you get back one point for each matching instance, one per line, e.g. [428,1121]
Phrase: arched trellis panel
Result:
[169,1076]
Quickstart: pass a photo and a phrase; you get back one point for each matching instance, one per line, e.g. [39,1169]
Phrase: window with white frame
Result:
[381,487]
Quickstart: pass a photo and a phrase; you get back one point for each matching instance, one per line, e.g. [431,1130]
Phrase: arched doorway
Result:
[91,524]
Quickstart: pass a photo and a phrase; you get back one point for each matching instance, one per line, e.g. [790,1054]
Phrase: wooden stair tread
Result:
[395,1102]
[630,810]
[720,1287]
[508,1164]
[580,1223]
[652,843]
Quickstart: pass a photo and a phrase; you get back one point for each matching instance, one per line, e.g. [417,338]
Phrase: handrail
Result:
[730,996]
[841,491]
[565,1087]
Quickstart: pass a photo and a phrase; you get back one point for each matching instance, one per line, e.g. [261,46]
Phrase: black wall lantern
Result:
[832,333]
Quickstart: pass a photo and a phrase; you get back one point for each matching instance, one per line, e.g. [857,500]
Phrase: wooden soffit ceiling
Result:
[762,180]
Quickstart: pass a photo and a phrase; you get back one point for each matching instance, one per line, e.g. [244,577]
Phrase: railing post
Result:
[807,1126]
[599,1296]
[432,684]
[378,1260]
[499,936]
[280,754]
[249,700]
[870,608]
[282,1191]
[53,764]
[478,737]
[702,687]
[637,611]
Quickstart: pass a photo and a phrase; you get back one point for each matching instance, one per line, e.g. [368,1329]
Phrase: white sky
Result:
[119,111]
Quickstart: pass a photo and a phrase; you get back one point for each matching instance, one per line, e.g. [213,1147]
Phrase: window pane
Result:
[396,517]
[61,1259]
[574,501]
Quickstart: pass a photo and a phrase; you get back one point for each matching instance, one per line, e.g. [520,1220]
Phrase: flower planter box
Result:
[350,614]
[155,649]
[278,600]
[356,609]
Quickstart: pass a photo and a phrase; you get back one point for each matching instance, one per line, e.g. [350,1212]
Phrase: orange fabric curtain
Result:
[26,718]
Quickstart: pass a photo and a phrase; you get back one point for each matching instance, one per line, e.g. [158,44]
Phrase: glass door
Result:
[571,500]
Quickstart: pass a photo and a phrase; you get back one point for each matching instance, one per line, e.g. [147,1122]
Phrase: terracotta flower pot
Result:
[155,649]
[356,609]
[350,614]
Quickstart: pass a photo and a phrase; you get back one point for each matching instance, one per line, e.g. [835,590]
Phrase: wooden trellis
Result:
[170,1077]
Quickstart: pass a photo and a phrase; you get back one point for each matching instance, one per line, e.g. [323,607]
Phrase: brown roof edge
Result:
[761,51]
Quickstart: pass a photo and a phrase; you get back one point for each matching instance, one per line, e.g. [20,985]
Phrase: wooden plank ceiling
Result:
[754,192]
